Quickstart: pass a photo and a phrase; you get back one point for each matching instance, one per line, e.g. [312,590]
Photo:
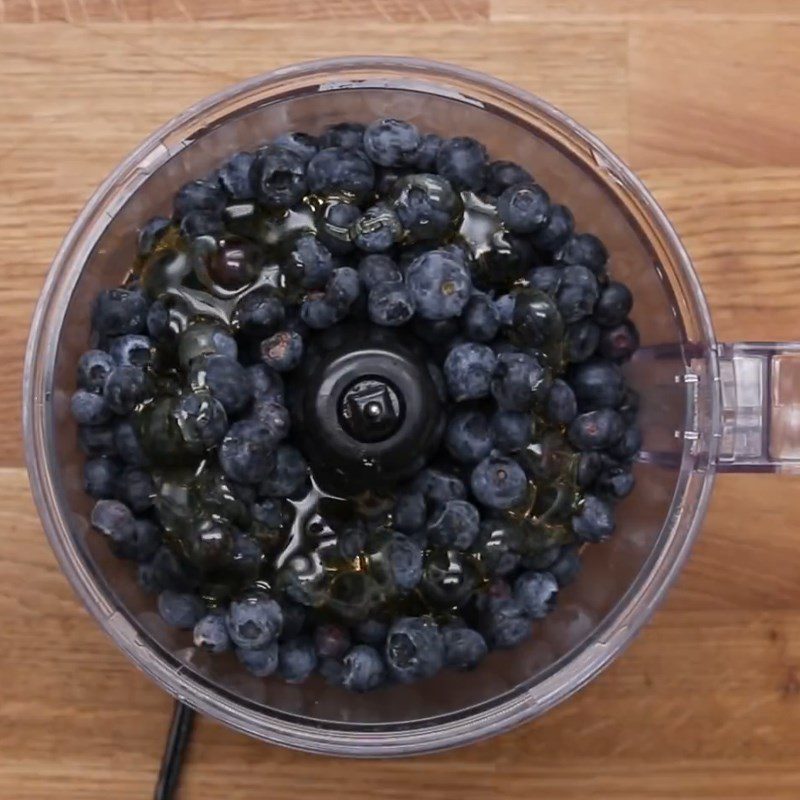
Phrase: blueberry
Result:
[377,268]
[584,249]
[283,351]
[342,289]
[588,469]
[629,444]
[146,541]
[125,388]
[300,143]
[438,487]
[349,135]
[392,142]
[541,560]
[464,648]
[97,440]
[164,571]
[278,177]
[259,313]
[503,174]
[363,669]
[468,371]
[577,293]
[427,206]
[455,525]
[136,489]
[414,648]
[615,481]
[247,452]
[403,561]
[351,539]
[425,157]
[536,321]
[336,169]
[226,379]
[132,350]
[581,340]
[620,342]
[562,406]
[100,477]
[287,475]
[504,305]
[594,521]
[390,304]
[211,633]
[597,384]
[481,319]
[261,661]
[202,420]
[377,229]
[318,313]
[596,430]
[519,383]
[332,671]
[294,620]
[499,482]
[567,567]
[296,660]
[614,305]
[309,262]
[334,224]
[150,234]
[158,323]
[200,195]
[271,514]
[205,339]
[524,208]
[331,640]
[545,279]
[235,176]
[468,437]
[504,623]
[437,332]
[180,609]
[196,224]
[246,556]
[463,161]
[371,631]
[266,384]
[94,366]
[410,512]
[556,232]
[272,416]
[536,593]
[439,284]
[119,311]
[511,430]
[254,620]
[89,408]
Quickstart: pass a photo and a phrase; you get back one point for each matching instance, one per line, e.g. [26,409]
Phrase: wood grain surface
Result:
[701,97]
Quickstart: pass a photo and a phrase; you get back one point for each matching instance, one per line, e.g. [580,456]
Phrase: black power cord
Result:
[180,731]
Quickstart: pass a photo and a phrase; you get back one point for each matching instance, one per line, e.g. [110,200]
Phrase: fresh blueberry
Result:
[287,475]
[464,648]
[386,178]
[536,321]
[351,539]
[266,384]
[414,648]
[94,366]
[425,157]
[377,229]
[349,135]
[125,388]
[147,539]
[390,304]
[271,514]
[468,437]
[588,470]
[97,440]
[136,489]
[504,305]
[463,161]
[202,338]
[246,556]
[520,382]
[597,384]
[283,351]
[581,340]
[363,669]
[336,169]
[371,631]
[404,562]
[295,618]
[392,142]
[342,289]
[100,477]
[254,620]
[594,522]
[629,444]
[438,487]
[614,305]
[511,430]
[503,174]
[620,342]
[332,671]
[468,371]
[584,249]
[226,379]
[89,408]
[318,313]
[427,206]
[545,279]
[261,661]
[557,231]
[259,313]
[158,323]
[247,452]
[164,571]
[410,512]
[499,482]
[331,640]
[235,176]
[278,177]
[536,593]
[455,525]
[300,143]
[437,332]
[439,284]
[377,268]
[541,560]
[561,403]
[504,623]
[481,319]
[180,609]
[132,350]
[596,430]
[567,567]
[309,262]
[272,416]
[577,293]
[211,633]
[615,481]
[197,224]
[296,660]
[119,311]
[334,224]
[199,196]
[202,420]
[524,208]
[150,234]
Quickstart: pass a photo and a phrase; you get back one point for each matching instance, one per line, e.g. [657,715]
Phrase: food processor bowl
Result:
[704,407]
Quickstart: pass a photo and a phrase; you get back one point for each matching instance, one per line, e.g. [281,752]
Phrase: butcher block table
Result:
[702,99]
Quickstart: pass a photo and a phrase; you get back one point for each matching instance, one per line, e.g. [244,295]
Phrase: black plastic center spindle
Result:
[371,409]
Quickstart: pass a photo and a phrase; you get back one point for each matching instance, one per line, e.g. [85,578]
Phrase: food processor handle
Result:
[760,405]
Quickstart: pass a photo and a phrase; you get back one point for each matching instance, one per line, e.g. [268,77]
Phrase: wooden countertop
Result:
[701,98]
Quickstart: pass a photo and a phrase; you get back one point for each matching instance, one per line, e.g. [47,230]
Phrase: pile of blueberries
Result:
[184,414]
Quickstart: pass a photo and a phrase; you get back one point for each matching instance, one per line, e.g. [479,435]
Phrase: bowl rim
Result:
[567,675]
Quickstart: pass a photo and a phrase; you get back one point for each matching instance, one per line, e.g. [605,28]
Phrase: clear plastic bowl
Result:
[677,372]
